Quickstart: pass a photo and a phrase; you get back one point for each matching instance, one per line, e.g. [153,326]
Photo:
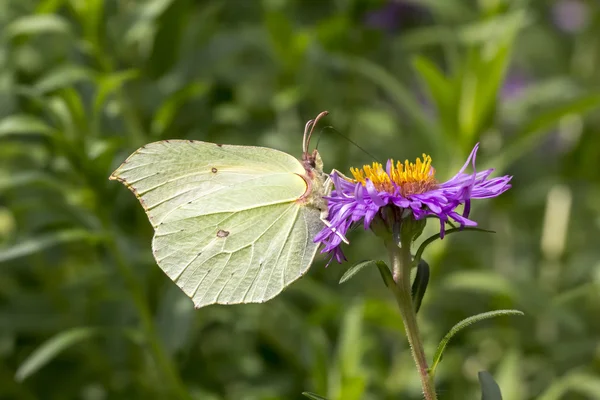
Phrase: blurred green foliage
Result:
[86,314]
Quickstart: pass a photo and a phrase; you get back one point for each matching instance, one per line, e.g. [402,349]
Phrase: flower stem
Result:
[400,259]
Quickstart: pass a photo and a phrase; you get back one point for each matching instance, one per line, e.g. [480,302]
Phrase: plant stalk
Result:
[169,372]
[400,259]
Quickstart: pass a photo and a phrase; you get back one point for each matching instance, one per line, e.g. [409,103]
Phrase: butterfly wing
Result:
[228,224]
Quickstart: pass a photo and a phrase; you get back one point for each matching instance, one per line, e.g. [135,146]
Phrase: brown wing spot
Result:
[222,234]
[213,170]
[219,144]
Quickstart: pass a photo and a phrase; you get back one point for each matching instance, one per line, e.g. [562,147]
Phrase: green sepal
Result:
[461,325]
[411,229]
[419,285]
[313,396]
[489,388]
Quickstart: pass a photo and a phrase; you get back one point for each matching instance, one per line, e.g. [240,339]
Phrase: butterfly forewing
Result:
[228,226]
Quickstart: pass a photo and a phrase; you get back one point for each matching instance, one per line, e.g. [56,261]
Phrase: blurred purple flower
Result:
[395,14]
[570,16]
[514,84]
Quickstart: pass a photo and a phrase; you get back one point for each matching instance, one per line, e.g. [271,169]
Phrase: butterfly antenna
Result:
[351,141]
[308,131]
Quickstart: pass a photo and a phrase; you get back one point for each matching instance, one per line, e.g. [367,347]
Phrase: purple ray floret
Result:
[353,201]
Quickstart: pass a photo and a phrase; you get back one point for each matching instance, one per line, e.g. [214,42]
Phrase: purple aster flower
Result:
[409,189]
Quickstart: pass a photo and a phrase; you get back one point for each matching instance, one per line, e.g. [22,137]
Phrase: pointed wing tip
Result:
[115,174]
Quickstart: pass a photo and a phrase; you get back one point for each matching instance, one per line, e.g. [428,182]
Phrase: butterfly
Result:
[232,224]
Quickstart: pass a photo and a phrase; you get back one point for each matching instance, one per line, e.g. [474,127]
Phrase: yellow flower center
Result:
[410,178]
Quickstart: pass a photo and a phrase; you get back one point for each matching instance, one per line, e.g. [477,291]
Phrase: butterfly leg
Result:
[328,185]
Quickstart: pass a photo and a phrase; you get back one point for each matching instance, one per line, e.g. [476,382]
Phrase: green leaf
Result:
[169,108]
[39,243]
[108,84]
[51,348]
[37,25]
[539,127]
[351,348]
[489,388]
[419,285]
[63,118]
[394,88]
[73,105]
[353,388]
[494,29]
[440,89]
[175,319]
[584,383]
[62,77]
[437,236]
[28,178]
[23,124]
[461,325]
[313,396]
[170,27]
[510,375]
[479,84]
[353,270]
[386,274]
[431,35]
[320,350]
[91,15]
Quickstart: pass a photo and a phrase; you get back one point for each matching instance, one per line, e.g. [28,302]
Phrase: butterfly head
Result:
[313,165]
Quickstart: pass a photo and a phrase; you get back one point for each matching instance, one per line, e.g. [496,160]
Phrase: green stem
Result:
[161,358]
[400,259]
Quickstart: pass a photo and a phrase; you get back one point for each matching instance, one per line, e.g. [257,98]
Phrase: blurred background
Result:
[85,312]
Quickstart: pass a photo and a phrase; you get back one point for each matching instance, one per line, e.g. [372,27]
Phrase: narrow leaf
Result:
[386,275]
[433,238]
[38,24]
[313,396]
[109,84]
[351,349]
[394,88]
[489,388]
[173,104]
[50,349]
[580,382]
[419,285]
[33,245]
[461,325]
[29,178]
[540,126]
[23,124]
[353,270]
[62,77]
[440,89]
